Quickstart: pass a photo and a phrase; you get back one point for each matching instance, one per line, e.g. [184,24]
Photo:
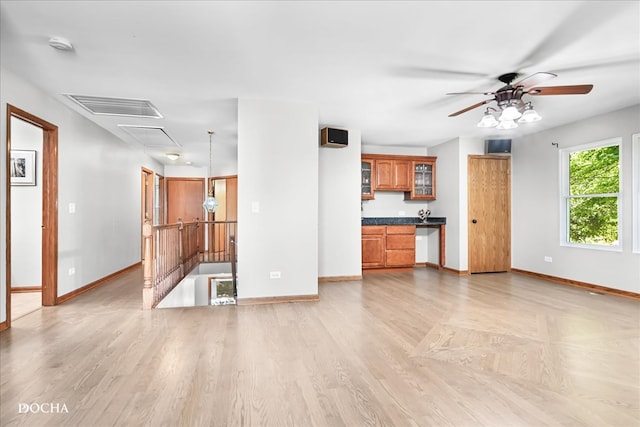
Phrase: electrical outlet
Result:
[548,259]
[402,213]
[274,275]
[72,208]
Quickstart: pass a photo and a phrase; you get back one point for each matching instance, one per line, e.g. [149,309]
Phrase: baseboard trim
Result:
[387,270]
[3,326]
[578,284]
[277,300]
[86,288]
[20,289]
[338,278]
[458,272]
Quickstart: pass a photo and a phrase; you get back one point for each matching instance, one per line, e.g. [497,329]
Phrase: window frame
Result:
[564,155]
[635,198]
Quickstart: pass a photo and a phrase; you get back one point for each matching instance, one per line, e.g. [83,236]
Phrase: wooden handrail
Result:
[171,251]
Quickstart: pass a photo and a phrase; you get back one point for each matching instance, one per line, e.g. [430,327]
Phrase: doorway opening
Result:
[46,255]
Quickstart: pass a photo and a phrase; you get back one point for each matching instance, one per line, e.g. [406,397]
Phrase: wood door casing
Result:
[232,198]
[49,181]
[489,213]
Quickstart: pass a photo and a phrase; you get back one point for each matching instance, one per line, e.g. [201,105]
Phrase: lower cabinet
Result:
[373,246]
[388,246]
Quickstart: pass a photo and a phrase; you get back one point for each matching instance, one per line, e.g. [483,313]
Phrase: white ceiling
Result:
[383,67]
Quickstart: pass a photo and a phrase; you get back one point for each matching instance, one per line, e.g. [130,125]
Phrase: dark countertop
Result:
[404,220]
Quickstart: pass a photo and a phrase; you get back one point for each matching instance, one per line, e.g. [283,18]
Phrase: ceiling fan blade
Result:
[471,93]
[534,80]
[586,17]
[438,73]
[486,101]
[561,90]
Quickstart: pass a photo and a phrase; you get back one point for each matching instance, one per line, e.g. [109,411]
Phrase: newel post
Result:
[147,265]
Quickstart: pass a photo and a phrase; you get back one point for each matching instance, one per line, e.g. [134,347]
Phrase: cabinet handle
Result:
[475,221]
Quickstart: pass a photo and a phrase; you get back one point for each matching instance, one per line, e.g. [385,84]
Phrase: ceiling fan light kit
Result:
[510,113]
[529,115]
[510,103]
[487,121]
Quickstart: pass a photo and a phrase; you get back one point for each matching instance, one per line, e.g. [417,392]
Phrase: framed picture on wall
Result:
[23,167]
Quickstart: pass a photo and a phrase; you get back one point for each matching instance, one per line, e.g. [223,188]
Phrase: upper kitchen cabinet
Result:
[392,174]
[423,179]
[413,175]
[367,177]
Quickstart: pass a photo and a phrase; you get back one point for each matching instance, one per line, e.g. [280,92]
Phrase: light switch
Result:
[72,208]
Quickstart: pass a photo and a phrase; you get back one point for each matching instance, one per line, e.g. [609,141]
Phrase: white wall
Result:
[447,201]
[26,212]
[339,210]
[451,196]
[536,205]
[181,171]
[97,172]
[277,198]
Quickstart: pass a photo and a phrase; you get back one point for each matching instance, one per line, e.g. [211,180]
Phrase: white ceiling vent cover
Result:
[150,136]
[116,106]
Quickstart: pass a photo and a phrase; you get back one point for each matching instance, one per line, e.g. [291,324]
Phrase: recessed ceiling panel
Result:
[150,136]
[116,106]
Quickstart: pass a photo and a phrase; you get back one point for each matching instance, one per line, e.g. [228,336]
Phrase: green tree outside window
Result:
[594,184]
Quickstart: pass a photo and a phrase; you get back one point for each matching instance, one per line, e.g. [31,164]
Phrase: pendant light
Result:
[210,203]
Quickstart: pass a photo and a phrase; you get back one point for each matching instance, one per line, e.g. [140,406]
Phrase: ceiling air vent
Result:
[116,106]
[150,136]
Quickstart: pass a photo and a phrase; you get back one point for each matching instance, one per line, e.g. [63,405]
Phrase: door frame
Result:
[49,207]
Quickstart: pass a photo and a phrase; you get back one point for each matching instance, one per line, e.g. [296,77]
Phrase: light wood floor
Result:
[426,348]
[24,303]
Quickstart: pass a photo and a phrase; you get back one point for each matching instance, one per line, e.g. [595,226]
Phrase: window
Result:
[636,192]
[590,177]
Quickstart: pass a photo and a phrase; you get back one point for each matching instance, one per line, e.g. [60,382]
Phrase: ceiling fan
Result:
[509,98]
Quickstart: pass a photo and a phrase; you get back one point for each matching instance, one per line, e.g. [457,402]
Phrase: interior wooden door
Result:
[184,200]
[147,194]
[226,193]
[489,198]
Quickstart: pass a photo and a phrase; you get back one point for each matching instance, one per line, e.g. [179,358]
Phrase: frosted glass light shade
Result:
[210,204]
[507,124]
[487,121]
[529,115]
[510,113]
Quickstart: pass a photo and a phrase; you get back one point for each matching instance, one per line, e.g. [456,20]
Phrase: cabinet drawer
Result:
[401,258]
[373,229]
[401,241]
[401,229]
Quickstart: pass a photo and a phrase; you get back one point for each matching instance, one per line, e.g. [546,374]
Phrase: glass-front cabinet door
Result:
[367,179]
[423,186]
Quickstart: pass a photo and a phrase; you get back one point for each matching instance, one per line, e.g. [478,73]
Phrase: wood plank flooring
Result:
[424,348]
[24,303]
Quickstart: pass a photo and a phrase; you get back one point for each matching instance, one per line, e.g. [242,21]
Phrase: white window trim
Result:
[635,199]
[564,154]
